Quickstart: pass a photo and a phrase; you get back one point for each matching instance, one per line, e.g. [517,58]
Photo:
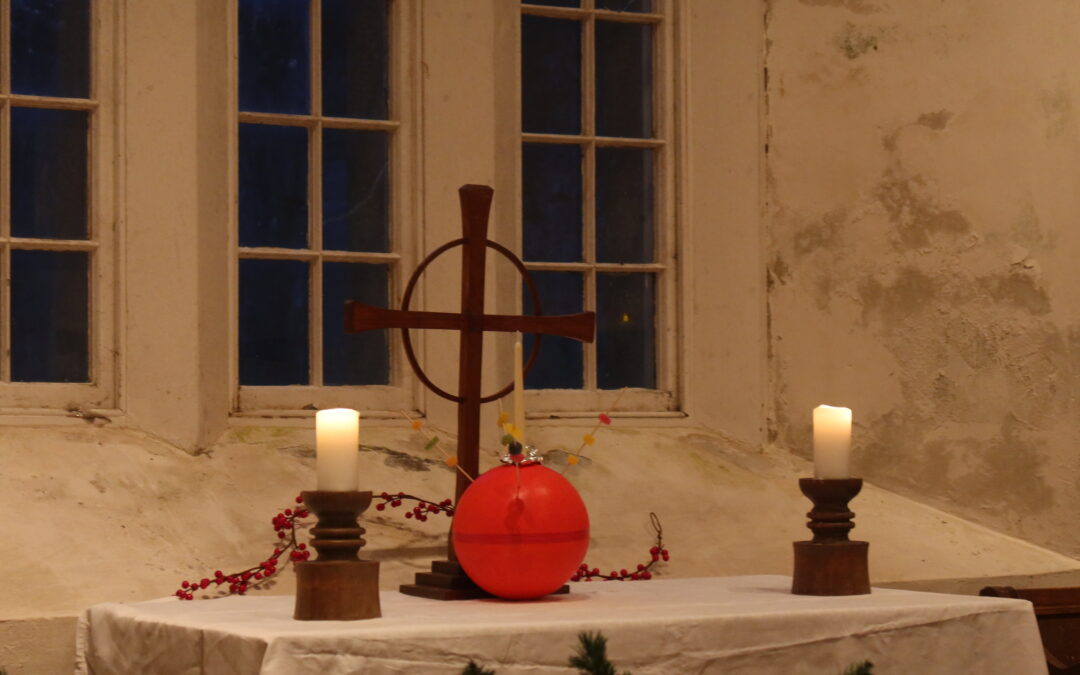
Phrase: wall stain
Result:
[853,42]
[918,218]
[819,235]
[400,460]
[936,120]
[911,292]
[1019,290]
[1057,109]
[856,6]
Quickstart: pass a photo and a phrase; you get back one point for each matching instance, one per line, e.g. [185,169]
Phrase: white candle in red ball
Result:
[337,449]
[832,441]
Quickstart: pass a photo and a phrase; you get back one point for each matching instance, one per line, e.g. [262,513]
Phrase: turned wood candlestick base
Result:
[337,586]
[830,564]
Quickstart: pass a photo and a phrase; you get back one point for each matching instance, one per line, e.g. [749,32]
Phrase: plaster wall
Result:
[921,210]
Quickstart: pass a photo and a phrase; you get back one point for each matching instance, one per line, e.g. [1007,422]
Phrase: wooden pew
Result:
[1057,611]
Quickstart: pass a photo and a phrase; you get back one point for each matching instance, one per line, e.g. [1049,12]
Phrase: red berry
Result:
[654,550]
[395,503]
[635,576]
[596,571]
[301,546]
[655,557]
[380,507]
[217,573]
[408,514]
[299,499]
[184,584]
[281,535]
[640,567]
[665,556]
[204,583]
[576,577]
[288,512]
[646,575]
[384,495]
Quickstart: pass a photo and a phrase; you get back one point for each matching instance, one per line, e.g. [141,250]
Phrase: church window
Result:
[55,204]
[597,230]
[317,153]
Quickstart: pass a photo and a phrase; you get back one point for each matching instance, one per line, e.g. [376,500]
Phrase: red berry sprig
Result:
[238,583]
[420,510]
[643,570]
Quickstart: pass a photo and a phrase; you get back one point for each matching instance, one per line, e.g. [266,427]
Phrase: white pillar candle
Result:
[832,441]
[337,449]
[519,391]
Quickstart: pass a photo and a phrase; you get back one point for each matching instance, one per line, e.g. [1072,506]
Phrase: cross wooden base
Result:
[447,581]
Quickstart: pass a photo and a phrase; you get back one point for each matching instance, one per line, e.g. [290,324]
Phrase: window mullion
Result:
[5,191]
[315,208]
[588,99]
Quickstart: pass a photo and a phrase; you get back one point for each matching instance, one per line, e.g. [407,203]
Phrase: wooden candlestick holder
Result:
[337,586]
[830,564]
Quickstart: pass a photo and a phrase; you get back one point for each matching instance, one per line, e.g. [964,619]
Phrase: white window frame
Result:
[405,199]
[100,393]
[665,400]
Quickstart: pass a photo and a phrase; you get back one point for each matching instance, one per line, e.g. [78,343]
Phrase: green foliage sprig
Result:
[591,657]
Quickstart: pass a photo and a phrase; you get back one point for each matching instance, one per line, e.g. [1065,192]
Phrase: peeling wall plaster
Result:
[921,209]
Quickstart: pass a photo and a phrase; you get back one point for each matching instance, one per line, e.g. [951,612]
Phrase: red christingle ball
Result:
[521,539]
[604,419]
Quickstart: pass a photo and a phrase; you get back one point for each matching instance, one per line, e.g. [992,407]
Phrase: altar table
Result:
[672,627]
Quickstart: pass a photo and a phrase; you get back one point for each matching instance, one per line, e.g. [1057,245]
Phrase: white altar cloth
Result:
[724,625]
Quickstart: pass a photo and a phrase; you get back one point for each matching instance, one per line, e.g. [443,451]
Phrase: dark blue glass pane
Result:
[550,75]
[553,3]
[624,205]
[624,79]
[559,365]
[50,300]
[273,322]
[356,190]
[48,173]
[354,358]
[551,202]
[625,330]
[273,186]
[50,47]
[275,66]
[355,58]
[625,5]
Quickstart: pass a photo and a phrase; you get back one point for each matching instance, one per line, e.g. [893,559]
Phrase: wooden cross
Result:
[471,321]
[447,581]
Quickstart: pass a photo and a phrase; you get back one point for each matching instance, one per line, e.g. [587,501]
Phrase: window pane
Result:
[559,365]
[625,5]
[356,190]
[624,79]
[551,202]
[273,186]
[273,322]
[550,75]
[49,173]
[50,316]
[50,47]
[355,58]
[624,205]
[625,330]
[354,358]
[274,56]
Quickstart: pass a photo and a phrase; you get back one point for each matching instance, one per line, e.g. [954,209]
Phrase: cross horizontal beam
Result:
[362,317]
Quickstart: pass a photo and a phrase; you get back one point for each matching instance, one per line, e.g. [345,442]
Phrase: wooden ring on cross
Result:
[407,298]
